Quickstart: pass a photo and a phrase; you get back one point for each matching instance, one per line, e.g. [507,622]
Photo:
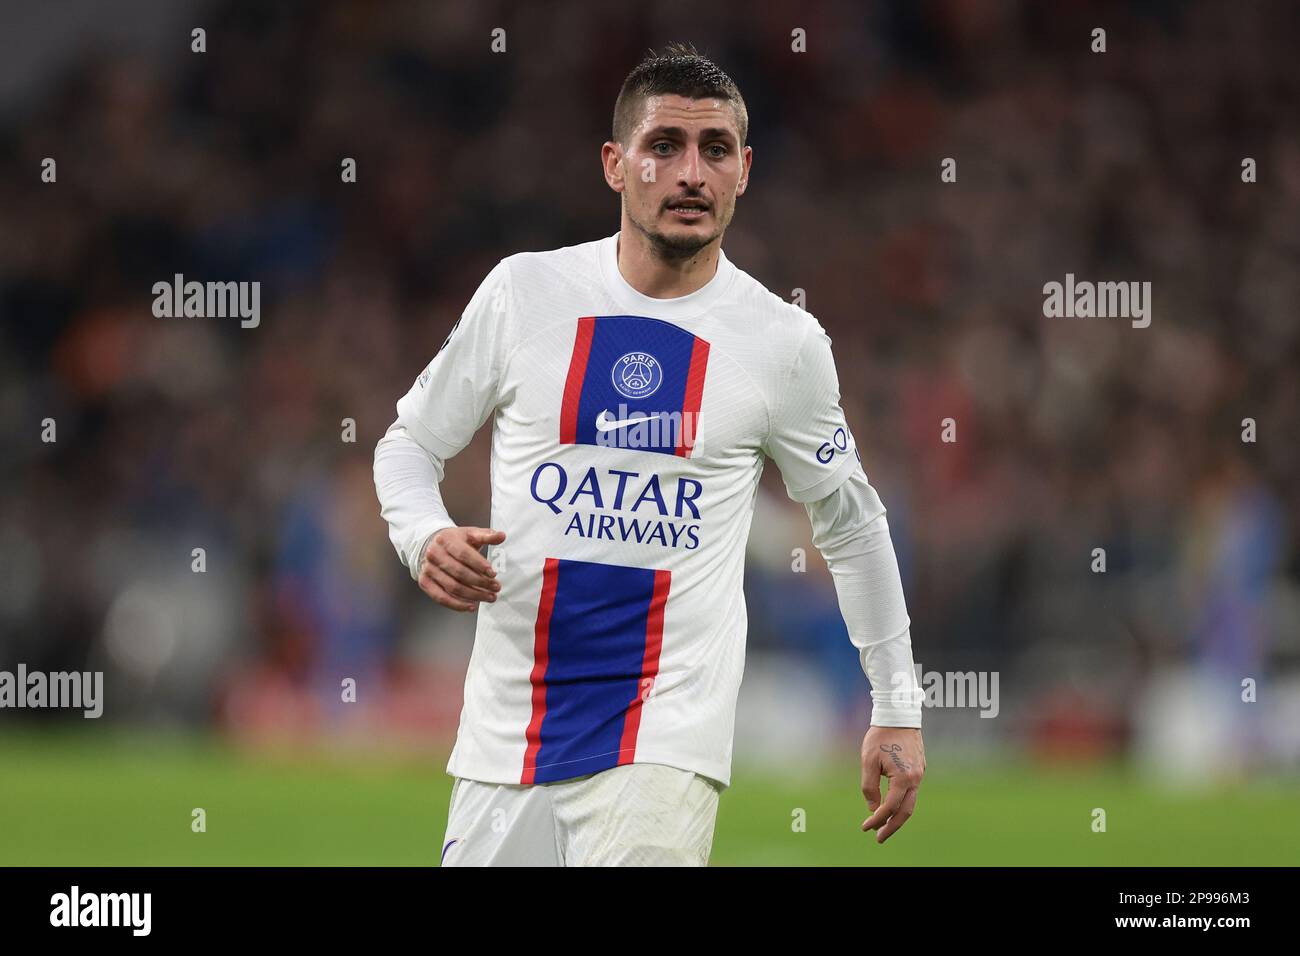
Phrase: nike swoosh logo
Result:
[605,425]
[446,848]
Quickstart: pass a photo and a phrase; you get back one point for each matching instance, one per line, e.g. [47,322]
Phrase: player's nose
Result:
[692,169]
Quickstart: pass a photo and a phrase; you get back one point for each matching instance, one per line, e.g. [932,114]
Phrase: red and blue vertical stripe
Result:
[596,645]
[589,389]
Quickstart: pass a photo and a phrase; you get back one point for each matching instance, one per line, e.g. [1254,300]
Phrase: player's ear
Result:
[611,160]
[747,160]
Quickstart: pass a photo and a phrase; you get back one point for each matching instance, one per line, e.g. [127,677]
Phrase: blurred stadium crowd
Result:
[1072,434]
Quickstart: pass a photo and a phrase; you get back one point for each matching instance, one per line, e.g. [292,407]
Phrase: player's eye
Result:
[656,146]
[721,150]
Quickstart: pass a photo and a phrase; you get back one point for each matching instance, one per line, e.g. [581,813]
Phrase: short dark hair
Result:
[680,70]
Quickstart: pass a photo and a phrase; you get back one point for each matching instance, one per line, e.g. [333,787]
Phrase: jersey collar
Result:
[683,307]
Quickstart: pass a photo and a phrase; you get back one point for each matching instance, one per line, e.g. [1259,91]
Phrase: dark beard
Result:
[674,248]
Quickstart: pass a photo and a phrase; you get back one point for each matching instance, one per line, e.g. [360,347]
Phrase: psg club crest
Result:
[637,375]
[634,382]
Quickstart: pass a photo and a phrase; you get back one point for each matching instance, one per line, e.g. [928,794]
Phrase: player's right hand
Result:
[454,573]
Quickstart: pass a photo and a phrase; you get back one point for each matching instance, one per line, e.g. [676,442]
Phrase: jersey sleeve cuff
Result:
[422,536]
[885,716]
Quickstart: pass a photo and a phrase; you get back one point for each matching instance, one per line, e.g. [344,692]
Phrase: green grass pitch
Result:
[90,801]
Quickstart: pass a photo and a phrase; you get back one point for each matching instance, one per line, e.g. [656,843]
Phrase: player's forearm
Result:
[406,481]
[851,532]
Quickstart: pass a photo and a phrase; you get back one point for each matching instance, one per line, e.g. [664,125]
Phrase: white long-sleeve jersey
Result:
[629,434]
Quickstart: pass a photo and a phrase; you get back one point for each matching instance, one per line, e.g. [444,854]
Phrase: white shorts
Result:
[638,814]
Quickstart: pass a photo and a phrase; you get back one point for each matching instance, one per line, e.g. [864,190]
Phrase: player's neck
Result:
[652,276]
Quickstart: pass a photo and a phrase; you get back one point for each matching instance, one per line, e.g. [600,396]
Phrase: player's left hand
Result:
[899,754]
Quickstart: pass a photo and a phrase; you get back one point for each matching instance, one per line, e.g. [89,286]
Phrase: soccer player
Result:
[636,384]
